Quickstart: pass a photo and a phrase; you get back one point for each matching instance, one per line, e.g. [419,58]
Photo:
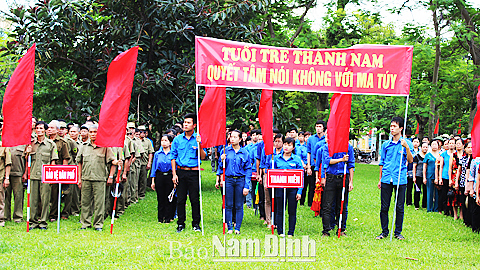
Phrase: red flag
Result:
[418,129]
[265,117]
[116,102]
[436,126]
[476,129]
[459,128]
[212,117]
[339,123]
[18,102]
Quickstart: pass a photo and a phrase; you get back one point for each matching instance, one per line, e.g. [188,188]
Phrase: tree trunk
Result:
[436,67]
[322,99]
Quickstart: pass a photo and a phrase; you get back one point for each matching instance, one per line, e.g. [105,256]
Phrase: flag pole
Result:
[273,198]
[343,199]
[29,164]
[223,191]
[400,169]
[199,171]
[116,197]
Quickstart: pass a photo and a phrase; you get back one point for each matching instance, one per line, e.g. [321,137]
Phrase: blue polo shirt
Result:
[293,162]
[252,154]
[318,160]
[311,147]
[301,151]
[390,160]
[237,164]
[337,169]
[161,162]
[260,146]
[185,151]
[266,161]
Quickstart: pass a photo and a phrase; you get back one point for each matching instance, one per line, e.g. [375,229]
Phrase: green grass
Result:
[438,242]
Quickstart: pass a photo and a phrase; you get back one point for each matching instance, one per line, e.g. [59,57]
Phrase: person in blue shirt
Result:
[265,165]
[431,162]
[185,171]
[238,172]
[312,147]
[161,175]
[394,150]
[332,181]
[251,148]
[287,160]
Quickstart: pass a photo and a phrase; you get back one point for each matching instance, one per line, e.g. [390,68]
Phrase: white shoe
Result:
[230,232]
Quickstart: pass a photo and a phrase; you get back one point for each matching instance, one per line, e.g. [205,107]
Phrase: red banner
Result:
[339,123]
[60,174]
[212,117]
[361,69]
[18,102]
[265,117]
[280,178]
[116,102]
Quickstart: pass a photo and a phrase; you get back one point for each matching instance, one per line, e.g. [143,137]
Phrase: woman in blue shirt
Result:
[161,174]
[287,160]
[238,172]
[430,175]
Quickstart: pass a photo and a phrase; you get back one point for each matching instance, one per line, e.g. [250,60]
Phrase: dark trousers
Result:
[234,202]
[291,204]
[310,184]
[385,197]
[261,200]
[422,189]
[467,212]
[163,187]
[332,195]
[442,197]
[409,190]
[188,184]
[474,214]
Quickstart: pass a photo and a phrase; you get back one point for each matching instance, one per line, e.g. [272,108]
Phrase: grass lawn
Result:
[436,241]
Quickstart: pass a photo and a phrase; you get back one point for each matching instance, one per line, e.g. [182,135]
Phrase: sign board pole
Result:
[29,163]
[284,199]
[59,202]
[223,192]
[273,199]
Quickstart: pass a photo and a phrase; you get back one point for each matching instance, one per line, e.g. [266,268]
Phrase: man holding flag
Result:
[393,174]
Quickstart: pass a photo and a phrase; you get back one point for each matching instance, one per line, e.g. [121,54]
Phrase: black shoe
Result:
[180,228]
[98,229]
[43,228]
[197,228]
[325,235]
[399,237]
[381,236]
[82,228]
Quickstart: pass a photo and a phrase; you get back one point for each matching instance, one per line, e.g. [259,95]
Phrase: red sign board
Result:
[60,174]
[280,178]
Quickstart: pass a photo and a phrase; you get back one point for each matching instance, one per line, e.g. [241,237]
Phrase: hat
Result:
[62,124]
[130,125]
[142,128]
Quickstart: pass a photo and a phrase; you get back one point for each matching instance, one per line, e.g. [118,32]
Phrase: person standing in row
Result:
[43,151]
[237,180]
[418,174]
[312,148]
[410,174]
[333,183]
[63,158]
[185,171]
[16,185]
[73,133]
[68,189]
[5,164]
[145,162]
[431,164]
[393,174]
[92,179]
[161,175]
[134,166]
[289,161]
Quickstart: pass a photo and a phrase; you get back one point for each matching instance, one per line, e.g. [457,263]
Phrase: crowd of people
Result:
[439,175]
[59,143]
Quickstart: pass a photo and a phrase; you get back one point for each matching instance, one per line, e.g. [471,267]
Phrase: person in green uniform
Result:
[43,151]
[145,162]
[92,179]
[16,185]
[5,163]
[129,152]
[71,196]
[134,165]
[63,159]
